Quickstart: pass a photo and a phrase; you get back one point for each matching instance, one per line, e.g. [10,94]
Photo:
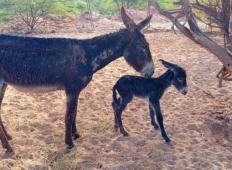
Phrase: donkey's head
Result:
[179,79]
[137,52]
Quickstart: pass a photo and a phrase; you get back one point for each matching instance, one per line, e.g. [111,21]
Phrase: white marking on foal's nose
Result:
[148,70]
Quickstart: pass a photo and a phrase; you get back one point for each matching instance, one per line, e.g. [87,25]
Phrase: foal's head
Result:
[137,52]
[179,79]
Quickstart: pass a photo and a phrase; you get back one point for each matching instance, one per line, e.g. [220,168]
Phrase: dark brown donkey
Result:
[46,64]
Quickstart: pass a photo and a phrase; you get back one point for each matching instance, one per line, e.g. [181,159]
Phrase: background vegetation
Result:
[71,7]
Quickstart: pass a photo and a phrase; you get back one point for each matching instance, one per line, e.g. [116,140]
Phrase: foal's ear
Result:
[168,65]
[144,23]
[128,22]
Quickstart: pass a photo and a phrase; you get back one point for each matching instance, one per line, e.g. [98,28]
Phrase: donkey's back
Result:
[19,48]
[36,61]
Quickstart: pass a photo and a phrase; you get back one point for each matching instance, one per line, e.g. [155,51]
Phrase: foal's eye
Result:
[145,46]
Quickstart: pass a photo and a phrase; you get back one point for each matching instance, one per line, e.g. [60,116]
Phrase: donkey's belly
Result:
[37,89]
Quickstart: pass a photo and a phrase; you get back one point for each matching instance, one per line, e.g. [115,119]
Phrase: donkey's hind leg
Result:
[3,134]
[3,87]
[75,133]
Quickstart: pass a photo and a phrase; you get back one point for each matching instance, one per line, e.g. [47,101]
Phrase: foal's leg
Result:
[156,106]
[72,98]
[118,114]
[152,115]
[115,105]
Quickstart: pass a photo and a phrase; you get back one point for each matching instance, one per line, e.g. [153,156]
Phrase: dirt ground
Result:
[198,124]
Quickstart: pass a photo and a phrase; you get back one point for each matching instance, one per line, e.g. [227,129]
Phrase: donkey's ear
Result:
[128,22]
[144,23]
[167,64]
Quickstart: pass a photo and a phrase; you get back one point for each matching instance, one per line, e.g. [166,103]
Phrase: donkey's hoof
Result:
[76,136]
[116,127]
[10,151]
[8,137]
[70,146]
[6,145]
[8,154]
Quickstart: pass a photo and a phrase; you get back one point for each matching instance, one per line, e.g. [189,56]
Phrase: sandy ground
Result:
[198,124]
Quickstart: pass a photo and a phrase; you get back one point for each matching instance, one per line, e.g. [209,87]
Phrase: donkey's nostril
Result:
[184,90]
[148,70]
[184,93]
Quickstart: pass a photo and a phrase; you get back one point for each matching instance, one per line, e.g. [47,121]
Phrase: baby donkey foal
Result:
[150,88]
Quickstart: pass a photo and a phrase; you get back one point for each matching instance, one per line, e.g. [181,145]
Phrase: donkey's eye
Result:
[180,79]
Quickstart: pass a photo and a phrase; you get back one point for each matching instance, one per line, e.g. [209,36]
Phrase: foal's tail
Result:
[115,99]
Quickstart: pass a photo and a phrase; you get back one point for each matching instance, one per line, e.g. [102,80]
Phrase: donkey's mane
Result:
[97,38]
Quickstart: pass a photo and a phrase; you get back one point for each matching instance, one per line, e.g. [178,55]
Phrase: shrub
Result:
[31,12]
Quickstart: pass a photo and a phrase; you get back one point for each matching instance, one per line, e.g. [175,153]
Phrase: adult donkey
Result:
[46,64]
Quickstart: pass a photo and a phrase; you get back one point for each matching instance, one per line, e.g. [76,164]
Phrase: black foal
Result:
[150,88]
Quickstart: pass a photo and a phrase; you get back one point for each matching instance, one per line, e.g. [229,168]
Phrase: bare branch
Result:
[196,35]
[212,10]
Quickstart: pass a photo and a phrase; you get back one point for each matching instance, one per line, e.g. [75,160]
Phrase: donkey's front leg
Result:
[72,98]
[5,143]
[75,133]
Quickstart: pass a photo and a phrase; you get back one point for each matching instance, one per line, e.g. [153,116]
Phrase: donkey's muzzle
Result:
[184,90]
[148,70]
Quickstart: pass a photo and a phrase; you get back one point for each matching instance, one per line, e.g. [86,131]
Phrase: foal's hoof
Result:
[167,140]
[76,136]
[156,127]
[125,134]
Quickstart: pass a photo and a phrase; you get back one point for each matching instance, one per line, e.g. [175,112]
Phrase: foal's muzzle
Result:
[148,70]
